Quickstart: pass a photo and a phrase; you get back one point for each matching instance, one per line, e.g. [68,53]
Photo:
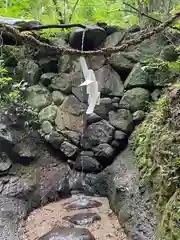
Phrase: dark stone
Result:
[135,99]
[122,120]
[115,100]
[97,133]
[104,108]
[104,151]
[5,163]
[55,139]
[63,233]
[49,64]
[74,137]
[46,78]
[6,141]
[134,28]
[83,218]
[93,118]
[169,53]
[64,188]
[82,203]
[138,117]
[68,149]
[115,106]
[93,37]
[87,164]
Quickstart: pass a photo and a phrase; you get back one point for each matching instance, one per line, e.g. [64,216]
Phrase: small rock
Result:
[5,163]
[6,141]
[138,117]
[46,78]
[115,106]
[65,64]
[58,97]
[135,99]
[68,149]
[83,218]
[93,118]
[120,135]
[64,188]
[25,152]
[46,127]
[113,39]
[97,133]
[74,137]
[115,100]
[95,62]
[48,114]
[93,37]
[104,108]
[104,150]
[63,233]
[38,97]
[87,164]
[110,83]
[82,203]
[155,95]
[122,120]
[62,82]
[55,139]
[31,72]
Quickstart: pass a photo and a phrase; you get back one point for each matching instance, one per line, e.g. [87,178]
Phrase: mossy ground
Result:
[157,148]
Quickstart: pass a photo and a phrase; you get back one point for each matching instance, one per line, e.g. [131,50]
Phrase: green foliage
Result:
[7,92]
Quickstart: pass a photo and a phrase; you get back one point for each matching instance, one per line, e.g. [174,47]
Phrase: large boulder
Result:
[97,133]
[70,115]
[114,39]
[93,37]
[109,81]
[70,233]
[68,149]
[135,99]
[38,97]
[48,113]
[122,120]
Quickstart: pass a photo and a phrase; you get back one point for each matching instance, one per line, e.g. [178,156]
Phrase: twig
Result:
[40,27]
[29,40]
[146,15]
[74,8]
[58,12]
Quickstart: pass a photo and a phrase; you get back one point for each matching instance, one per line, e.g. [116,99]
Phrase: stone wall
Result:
[127,84]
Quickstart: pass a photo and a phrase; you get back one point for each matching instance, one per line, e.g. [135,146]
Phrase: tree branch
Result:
[31,41]
[146,15]
[58,12]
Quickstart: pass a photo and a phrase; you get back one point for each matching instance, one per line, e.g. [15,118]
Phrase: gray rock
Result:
[31,72]
[104,150]
[138,117]
[55,139]
[169,53]
[138,78]
[46,78]
[95,62]
[65,64]
[135,99]
[92,118]
[115,106]
[114,39]
[104,108]
[70,115]
[115,100]
[97,133]
[122,120]
[58,97]
[68,149]
[83,218]
[110,83]
[87,164]
[38,97]
[155,95]
[94,36]
[120,63]
[74,137]
[62,233]
[5,163]
[64,187]
[120,135]
[62,82]
[121,140]
[48,114]
[47,127]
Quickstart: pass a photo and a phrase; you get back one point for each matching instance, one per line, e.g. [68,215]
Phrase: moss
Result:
[12,54]
[157,148]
